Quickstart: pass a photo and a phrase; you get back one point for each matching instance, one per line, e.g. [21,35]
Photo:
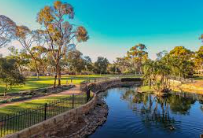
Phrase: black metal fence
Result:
[15,122]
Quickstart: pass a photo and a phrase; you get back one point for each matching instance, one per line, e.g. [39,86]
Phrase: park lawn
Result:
[26,114]
[45,81]
[33,104]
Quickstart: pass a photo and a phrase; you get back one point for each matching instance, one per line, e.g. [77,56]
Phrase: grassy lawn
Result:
[45,81]
[33,111]
[32,104]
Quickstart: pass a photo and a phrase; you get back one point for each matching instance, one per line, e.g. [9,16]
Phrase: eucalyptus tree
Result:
[39,64]
[198,60]
[88,64]
[29,40]
[181,61]
[59,32]
[100,66]
[7,30]
[137,55]
[75,61]
[113,68]
[123,65]
[20,57]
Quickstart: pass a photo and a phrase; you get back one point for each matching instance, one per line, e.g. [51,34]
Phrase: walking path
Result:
[74,90]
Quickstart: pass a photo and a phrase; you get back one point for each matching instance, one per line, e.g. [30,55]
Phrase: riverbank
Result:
[177,86]
[85,125]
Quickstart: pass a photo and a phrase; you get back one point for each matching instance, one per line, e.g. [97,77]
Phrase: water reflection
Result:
[157,110]
[143,115]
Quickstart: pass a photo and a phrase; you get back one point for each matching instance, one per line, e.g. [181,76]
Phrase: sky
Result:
[114,26]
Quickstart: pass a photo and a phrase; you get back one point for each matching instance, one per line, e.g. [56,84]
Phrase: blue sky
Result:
[116,25]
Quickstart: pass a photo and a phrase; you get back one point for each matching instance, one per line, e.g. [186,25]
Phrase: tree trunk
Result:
[55,77]
[37,75]
[59,76]
[5,90]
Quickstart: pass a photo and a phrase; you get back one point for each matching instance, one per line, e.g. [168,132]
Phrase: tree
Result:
[180,61]
[137,55]
[113,69]
[20,58]
[124,65]
[9,74]
[75,61]
[39,63]
[101,65]
[156,74]
[60,32]
[29,40]
[88,64]
[7,30]
[198,60]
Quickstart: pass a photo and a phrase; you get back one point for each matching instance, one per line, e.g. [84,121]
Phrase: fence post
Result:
[45,111]
[88,94]
[73,100]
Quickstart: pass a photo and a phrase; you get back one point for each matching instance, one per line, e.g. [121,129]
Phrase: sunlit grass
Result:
[33,111]
[45,81]
[32,104]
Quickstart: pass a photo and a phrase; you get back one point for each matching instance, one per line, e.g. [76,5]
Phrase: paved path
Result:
[74,90]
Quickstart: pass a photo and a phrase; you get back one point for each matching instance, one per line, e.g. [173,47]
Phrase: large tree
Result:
[199,58]
[59,32]
[137,55]
[7,30]
[101,65]
[180,61]
[75,61]
[29,40]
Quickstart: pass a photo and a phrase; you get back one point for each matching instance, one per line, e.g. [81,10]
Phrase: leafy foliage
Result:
[9,73]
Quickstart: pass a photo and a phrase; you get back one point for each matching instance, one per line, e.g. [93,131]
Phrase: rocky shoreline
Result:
[87,124]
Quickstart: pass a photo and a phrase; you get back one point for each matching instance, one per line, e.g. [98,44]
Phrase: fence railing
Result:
[15,122]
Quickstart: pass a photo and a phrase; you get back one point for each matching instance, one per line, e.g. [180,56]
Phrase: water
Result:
[136,115]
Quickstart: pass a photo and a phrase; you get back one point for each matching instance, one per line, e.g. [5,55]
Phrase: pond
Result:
[143,115]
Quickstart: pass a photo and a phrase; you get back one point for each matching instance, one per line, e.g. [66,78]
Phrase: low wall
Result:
[67,120]
[102,86]
[47,128]
[29,94]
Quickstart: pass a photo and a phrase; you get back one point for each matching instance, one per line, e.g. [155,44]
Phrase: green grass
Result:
[145,89]
[45,81]
[32,112]
[32,104]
